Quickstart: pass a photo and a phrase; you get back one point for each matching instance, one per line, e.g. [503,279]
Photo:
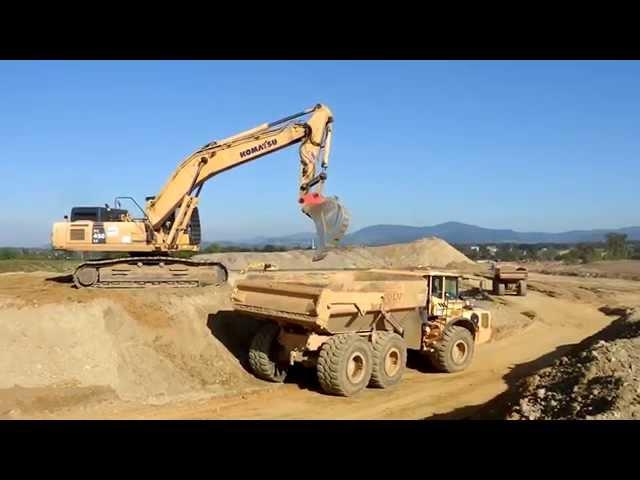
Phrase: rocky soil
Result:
[598,379]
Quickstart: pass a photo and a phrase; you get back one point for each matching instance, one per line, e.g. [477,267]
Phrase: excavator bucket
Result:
[330,218]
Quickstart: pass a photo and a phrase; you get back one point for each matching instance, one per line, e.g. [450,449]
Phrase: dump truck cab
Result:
[446,308]
[355,327]
[443,293]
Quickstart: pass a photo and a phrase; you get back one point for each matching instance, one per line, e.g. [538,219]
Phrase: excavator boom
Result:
[183,187]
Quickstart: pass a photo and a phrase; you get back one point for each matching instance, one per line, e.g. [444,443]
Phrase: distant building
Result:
[492,249]
[474,248]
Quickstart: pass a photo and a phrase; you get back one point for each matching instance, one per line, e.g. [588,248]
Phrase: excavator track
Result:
[145,272]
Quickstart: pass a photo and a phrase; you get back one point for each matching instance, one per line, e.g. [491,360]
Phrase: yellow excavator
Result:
[170,223]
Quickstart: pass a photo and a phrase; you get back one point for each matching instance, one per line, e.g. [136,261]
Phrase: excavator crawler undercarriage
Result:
[142,272]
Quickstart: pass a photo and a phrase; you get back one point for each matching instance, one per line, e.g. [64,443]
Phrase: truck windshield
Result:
[436,287]
[451,287]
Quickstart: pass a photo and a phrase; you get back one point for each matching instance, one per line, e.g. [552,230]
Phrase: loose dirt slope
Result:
[149,347]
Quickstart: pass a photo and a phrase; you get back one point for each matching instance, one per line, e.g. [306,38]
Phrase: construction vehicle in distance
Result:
[259,267]
[509,278]
[355,327]
[170,222]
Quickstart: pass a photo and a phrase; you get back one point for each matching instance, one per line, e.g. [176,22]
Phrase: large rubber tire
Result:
[344,365]
[522,288]
[454,351]
[262,358]
[389,359]
[500,289]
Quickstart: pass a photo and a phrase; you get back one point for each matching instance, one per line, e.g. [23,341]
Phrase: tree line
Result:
[615,247]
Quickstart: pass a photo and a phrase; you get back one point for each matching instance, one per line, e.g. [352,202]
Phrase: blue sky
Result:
[529,145]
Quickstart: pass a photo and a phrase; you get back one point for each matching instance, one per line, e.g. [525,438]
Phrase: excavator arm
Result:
[169,213]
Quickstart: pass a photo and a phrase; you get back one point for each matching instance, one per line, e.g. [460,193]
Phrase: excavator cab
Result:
[331,220]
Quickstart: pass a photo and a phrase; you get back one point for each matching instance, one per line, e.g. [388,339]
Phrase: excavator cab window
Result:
[97,214]
[85,214]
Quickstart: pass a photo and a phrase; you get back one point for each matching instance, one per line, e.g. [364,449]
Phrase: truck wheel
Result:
[522,288]
[454,351]
[500,289]
[263,354]
[389,359]
[344,365]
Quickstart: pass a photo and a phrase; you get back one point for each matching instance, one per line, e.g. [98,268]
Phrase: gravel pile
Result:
[598,379]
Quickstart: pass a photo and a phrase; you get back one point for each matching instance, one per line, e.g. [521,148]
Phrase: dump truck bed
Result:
[510,273]
[331,303]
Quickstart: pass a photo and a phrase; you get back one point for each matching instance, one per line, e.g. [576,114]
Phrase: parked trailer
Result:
[510,278]
[355,328]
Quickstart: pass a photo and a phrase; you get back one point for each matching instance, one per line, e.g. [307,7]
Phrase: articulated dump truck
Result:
[509,278]
[355,327]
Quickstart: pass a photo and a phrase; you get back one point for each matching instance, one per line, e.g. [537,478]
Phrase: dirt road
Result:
[564,311]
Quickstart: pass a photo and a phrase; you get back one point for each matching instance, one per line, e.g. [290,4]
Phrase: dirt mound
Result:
[149,347]
[598,379]
[432,252]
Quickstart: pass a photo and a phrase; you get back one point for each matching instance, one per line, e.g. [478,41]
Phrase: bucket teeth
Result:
[331,220]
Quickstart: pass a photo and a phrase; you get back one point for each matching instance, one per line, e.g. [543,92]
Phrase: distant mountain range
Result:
[452,232]
[462,233]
